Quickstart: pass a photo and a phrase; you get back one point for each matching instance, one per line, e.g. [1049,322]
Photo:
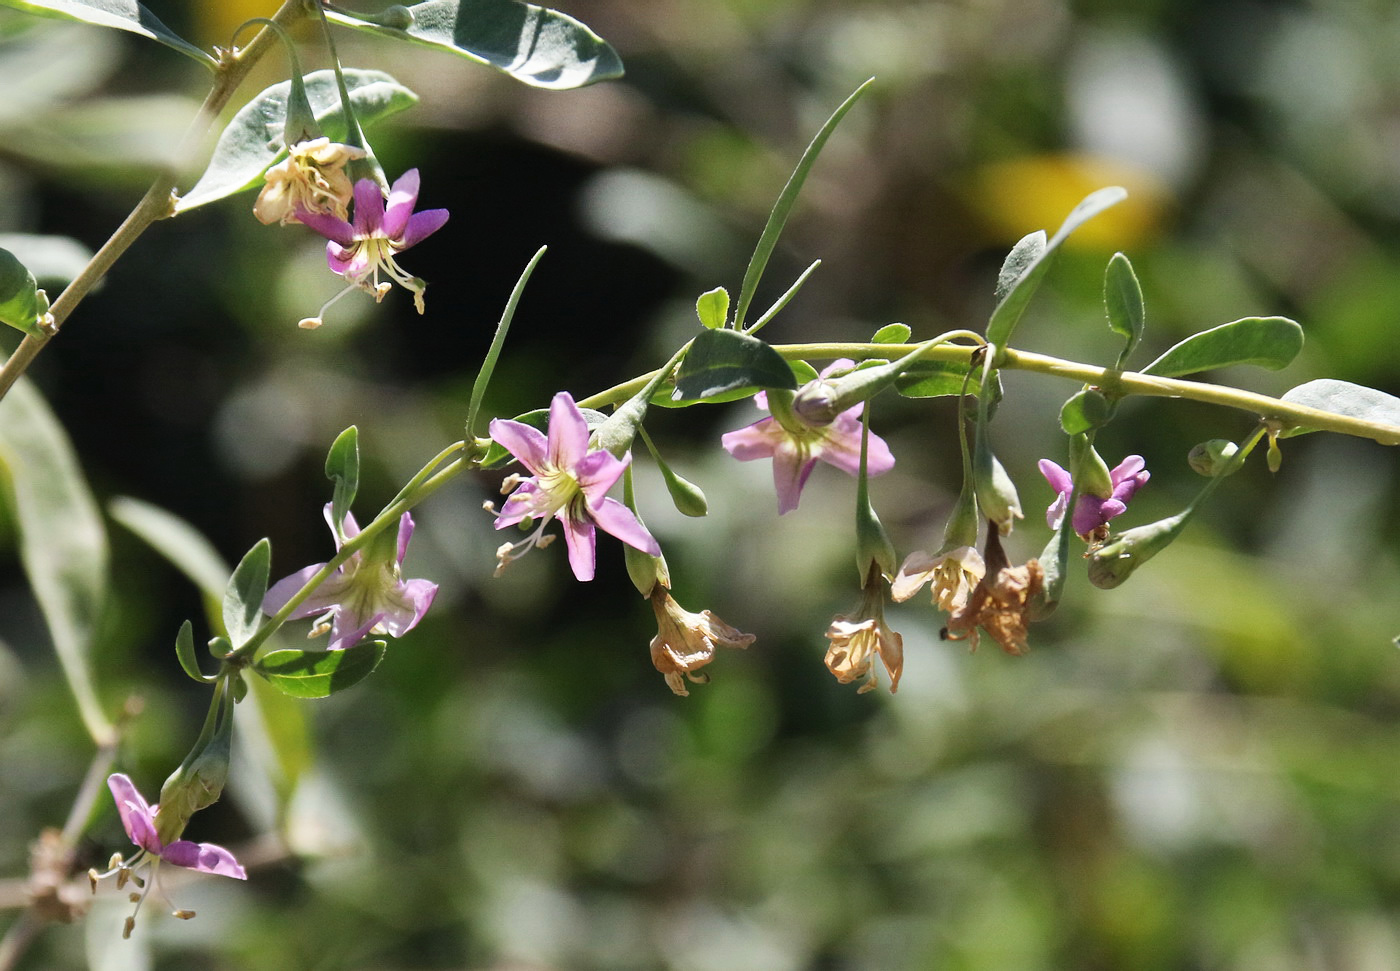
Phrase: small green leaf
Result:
[63,544]
[713,307]
[121,14]
[1343,398]
[934,379]
[1087,409]
[723,360]
[22,304]
[1026,265]
[496,455]
[343,468]
[1269,342]
[184,651]
[253,140]
[535,45]
[244,595]
[892,334]
[1122,300]
[319,674]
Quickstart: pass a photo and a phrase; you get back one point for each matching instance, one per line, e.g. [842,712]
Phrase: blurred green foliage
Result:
[1192,771]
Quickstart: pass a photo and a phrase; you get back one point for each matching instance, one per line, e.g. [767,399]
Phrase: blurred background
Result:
[1194,771]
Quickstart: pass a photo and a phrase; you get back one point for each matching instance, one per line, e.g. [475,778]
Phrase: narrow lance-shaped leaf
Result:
[535,45]
[125,15]
[1269,342]
[1350,400]
[319,674]
[253,140]
[1122,301]
[724,360]
[184,546]
[63,544]
[244,596]
[1027,263]
[343,468]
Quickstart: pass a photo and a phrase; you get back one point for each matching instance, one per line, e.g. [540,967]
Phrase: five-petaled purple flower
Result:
[1092,512]
[142,823]
[796,451]
[367,595]
[359,250]
[568,481]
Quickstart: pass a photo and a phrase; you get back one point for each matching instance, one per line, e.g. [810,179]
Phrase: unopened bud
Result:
[996,493]
[1114,562]
[1214,458]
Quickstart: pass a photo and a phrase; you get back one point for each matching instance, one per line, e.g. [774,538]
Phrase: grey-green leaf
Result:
[343,468]
[725,360]
[1028,261]
[125,15]
[1344,398]
[63,544]
[319,674]
[244,596]
[253,140]
[1269,342]
[1122,301]
[184,546]
[535,45]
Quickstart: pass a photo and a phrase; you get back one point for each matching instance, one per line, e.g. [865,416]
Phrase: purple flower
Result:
[567,481]
[795,452]
[367,595]
[360,250]
[1092,512]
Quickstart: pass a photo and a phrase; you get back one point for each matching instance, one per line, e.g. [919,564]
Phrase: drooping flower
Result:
[686,642]
[366,595]
[1092,512]
[568,481]
[859,637]
[797,447]
[310,179]
[1001,603]
[953,575]
[359,250]
[141,822]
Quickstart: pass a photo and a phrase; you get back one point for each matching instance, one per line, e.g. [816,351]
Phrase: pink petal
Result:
[405,534]
[403,196]
[526,500]
[333,228]
[526,443]
[791,468]
[324,597]
[350,527]
[349,261]
[421,225]
[597,472]
[348,628]
[1127,468]
[1058,478]
[369,208]
[204,857]
[136,814]
[756,441]
[413,599]
[568,432]
[582,543]
[616,519]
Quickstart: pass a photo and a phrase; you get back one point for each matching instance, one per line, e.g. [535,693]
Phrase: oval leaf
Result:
[892,334]
[1122,301]
[125,15]
[253,140]
[535,45]
[343,468]
[63,544]
[319,674]
[244,595]
[1085,410]
[1269,342]
[1344,398]
[933,379]
[713,307]
[1028,261]
[22,304]
[723,360]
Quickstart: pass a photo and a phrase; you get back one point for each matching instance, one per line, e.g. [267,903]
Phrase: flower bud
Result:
[196,784]
[996,493]
[1214,458]
[1114,562]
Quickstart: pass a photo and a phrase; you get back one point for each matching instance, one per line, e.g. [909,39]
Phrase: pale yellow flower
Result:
[859,637]
[953,575]
[685,642]
[311,178]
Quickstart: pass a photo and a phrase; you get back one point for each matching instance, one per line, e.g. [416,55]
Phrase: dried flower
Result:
[686,642]
[858,637]
[1001,602]
[310,179]
[953,575]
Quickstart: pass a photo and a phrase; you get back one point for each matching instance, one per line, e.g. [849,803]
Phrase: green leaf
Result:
[1122,300]
[63,544]
[244,595]
[1269,342]
[253,140]
[713,307]
[180,543]
[933,379]
[1030,258]
[343,468]
[54,260]
[768,241]
[496,455]
[184,651]
[121,14]
[1343,398]
[22,304]
[535,45]
[319,674]
[892,334]
[723,360]
[1087,409]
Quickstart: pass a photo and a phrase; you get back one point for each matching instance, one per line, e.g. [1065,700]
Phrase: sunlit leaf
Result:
[1344,398]
[1085,410]
[1122,301]
[892,334]
[120,14]
[713,307]
[538,46]
[343,468]
[319,674]
[1269,342]
[253,140]
[22,304]
[723,360]
[244,595]
[933,379]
